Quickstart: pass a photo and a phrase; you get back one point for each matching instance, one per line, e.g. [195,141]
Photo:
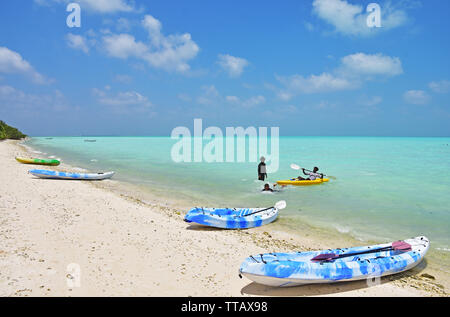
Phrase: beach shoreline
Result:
[130,244]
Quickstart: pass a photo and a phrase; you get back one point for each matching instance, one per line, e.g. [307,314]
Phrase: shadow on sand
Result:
[325,289]
[198,227]
[68,179]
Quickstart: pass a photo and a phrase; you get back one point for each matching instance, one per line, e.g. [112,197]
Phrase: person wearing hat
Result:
[262,174]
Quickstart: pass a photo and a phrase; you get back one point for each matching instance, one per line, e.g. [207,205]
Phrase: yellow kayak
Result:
[37,161]
[302,183]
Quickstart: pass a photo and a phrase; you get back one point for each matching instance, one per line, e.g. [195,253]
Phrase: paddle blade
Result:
[401,246]
[325,257]
[280,205]
[295,167]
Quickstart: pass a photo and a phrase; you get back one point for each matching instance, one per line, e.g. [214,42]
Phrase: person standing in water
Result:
[262,174]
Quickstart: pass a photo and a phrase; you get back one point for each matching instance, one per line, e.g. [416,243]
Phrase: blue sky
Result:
[145,67]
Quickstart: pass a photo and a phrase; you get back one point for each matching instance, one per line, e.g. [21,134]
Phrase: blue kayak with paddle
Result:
[234,218]
[338,265]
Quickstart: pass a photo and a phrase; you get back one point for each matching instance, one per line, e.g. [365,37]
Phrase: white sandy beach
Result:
[125,247]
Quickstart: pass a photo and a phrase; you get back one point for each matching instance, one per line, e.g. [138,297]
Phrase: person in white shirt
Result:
[312,175]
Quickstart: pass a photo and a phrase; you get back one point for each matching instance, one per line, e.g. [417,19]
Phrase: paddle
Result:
[397,246]
[297,168]
[279,205]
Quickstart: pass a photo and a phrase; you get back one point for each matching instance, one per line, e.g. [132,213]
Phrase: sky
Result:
[311,67]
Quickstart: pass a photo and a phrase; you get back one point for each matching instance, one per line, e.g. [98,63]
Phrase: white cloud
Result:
[210,95]
[345,17]
[125,99]
[416,97]
[170,52]
[12,63]
[124,46]
[280,112]
[367,105]
[377,64]
[100,6]
[16,100]
[247,103]
[107,6]
[184,97]
[77,42]
[441,87]
[289,109]
[233,99]
[123,102]
[371,101]
[309,26]
[254,101]
[351,19]
[324,105]
[284,95]
[313,84]
[234,66]
[353,71]
[124,79]
[123,25]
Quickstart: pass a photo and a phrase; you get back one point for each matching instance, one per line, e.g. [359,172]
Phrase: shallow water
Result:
[386,188]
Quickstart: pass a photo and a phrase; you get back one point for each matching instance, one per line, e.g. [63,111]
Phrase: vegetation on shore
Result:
[7,132]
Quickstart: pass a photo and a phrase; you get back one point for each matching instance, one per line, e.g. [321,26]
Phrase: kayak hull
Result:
[38,161]
[70,176]
[294,269]
[302,183]
[236,218]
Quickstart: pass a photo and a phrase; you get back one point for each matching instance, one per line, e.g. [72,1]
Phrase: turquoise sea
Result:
[386,188]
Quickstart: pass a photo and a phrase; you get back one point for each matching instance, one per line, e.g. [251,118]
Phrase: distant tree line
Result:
[7,132]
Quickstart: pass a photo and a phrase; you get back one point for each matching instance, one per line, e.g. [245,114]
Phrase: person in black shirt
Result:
[262,174]
[267,188]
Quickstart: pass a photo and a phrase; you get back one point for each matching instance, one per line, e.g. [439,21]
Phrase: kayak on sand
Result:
[38,161]
[329,266]
[234,218]
[73,176]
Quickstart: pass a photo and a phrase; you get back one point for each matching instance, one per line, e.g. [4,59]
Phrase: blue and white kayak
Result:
[235,218]
[349,264]
[73,176]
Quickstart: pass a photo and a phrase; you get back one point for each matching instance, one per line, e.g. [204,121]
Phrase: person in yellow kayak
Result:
[311,175]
